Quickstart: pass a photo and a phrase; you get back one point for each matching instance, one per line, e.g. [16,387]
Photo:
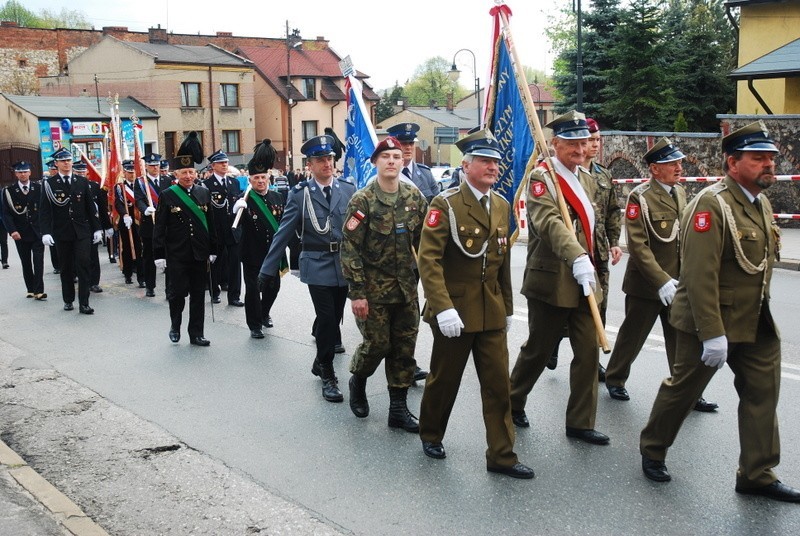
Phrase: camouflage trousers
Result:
[390,334]
[603,279]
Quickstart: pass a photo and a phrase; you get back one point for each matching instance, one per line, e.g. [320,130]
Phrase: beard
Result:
[765,180]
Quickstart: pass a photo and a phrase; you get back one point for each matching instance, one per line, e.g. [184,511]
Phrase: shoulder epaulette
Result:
[300,185]
[449,192]
[642,188]
[423,166]
[499,195]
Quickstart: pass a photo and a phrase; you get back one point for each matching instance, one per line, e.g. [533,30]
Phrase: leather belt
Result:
[332,247]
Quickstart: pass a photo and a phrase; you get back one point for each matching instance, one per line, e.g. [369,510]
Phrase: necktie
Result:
[485,203]
[674,194]
[327,190]
[757,204]
[25,189]
[407,172]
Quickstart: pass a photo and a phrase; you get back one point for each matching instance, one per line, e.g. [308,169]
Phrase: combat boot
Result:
[399,416]
[330,384]
[358,396]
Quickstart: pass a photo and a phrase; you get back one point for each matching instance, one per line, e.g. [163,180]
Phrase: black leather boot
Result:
[399,416]
[330,384]
[358,396]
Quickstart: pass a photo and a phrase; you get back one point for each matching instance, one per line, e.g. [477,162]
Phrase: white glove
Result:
[161,264]
[450,323]
[47,240]
[583,272]
[149,210]
[98,237]
[667,292]
[127,220]
[508,323]
[212,258]
[715,351]
[110,232]
[239,205]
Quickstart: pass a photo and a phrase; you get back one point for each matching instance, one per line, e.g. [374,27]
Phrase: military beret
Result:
[389,143]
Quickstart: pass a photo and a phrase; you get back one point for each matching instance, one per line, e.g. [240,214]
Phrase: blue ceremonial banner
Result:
[507,120]
[360,137]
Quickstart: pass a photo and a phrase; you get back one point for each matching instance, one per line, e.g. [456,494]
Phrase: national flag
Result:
[92,172]
[360,136]
[506,117]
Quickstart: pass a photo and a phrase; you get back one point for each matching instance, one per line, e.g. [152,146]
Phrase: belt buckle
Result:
[334,247]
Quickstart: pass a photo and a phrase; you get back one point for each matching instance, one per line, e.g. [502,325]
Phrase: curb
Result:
[66,512]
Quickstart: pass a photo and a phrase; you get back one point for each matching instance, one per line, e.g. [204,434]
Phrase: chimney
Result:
[114,29]
[157,35]
[449,105]
[224,34]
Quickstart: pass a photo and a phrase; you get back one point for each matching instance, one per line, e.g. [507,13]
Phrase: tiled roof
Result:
[780,63]
[45,107]
[205,55]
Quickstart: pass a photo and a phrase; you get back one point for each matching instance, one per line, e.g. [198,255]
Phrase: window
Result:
[229,95]
[309,129]
[169,145]
[190,95]
[23,63]
[230,141]
[309,89]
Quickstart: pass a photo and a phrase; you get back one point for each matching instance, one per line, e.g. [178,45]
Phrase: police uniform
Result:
[549,284]
[227,269]
[68,216]
[381,235]
[130,242]
[419,174]
[721,312]
[184,236]
[20,208]
[100,198]
[143,201]
[319,222]
[465,268]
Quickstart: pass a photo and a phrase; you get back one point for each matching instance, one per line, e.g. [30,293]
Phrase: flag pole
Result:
[525,91]
[241,210]
[137,151]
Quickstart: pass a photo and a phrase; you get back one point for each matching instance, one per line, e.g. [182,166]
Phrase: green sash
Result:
[190,204]
[284,264]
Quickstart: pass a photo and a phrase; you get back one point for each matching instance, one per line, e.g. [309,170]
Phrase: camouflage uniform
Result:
[608,224]
[378,264]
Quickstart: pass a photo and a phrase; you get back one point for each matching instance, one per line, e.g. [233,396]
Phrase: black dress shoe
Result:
[601,373]
[552,363]
[706,407]
[128,281]
[433,450]
[86,310]
[200,341]
[5,265]
[777,491]
[519,418]
[256,334]
[655,470]
[215,299]
[150,293]
[517,470]
[68,306]
[618,393]
[420,374]
[112,260]
[589,436]
[142,284]
[174,335]
[267,322]
[339,348]
[96,288]
[315,369]
[236,303]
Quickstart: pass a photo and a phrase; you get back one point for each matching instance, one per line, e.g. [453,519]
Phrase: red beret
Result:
[389,143]
[592,124]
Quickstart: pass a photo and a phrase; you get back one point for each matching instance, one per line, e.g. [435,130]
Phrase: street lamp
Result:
[454,72]
[538,100]
[293,40]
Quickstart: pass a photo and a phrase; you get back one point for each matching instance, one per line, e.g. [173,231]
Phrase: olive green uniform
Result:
[608,227]
[556,299]
[724,290]
[457,272]
[381,232]
[652,226]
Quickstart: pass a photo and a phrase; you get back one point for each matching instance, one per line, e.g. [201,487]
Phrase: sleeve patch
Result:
[359,215]
[702,222]
[632,211]
[538,189]
[433,217]
[352,223]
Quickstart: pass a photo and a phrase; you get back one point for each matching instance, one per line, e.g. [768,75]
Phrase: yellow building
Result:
[769,56]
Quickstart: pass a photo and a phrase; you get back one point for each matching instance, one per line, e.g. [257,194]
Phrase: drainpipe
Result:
[752,89]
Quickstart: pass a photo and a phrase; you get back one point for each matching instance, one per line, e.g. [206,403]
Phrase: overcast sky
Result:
[386,40]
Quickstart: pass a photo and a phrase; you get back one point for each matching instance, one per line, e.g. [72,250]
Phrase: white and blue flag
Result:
[360,136]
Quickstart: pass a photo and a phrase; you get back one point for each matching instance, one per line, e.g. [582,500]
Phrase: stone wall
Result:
[622,153]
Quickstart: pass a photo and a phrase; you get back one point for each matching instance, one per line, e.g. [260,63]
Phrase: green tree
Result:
[387,106]
[14,11]
[430,85]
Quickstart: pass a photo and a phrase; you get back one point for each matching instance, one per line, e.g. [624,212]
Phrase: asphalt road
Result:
[254,406]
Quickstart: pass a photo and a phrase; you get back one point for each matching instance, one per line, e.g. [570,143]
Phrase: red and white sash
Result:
[576,197]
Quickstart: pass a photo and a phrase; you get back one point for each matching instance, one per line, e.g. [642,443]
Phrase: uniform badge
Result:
[352,223]
[468,243]
[663,225]
[433,217]
[632,211]
[537,189]
[702,222]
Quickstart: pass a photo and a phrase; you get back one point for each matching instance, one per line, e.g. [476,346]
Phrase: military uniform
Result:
[100,198]
[380,237]
[130,242]
[185,240]
[20,208]
[418,174]
[68,214]
[608,216]
[146,227]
